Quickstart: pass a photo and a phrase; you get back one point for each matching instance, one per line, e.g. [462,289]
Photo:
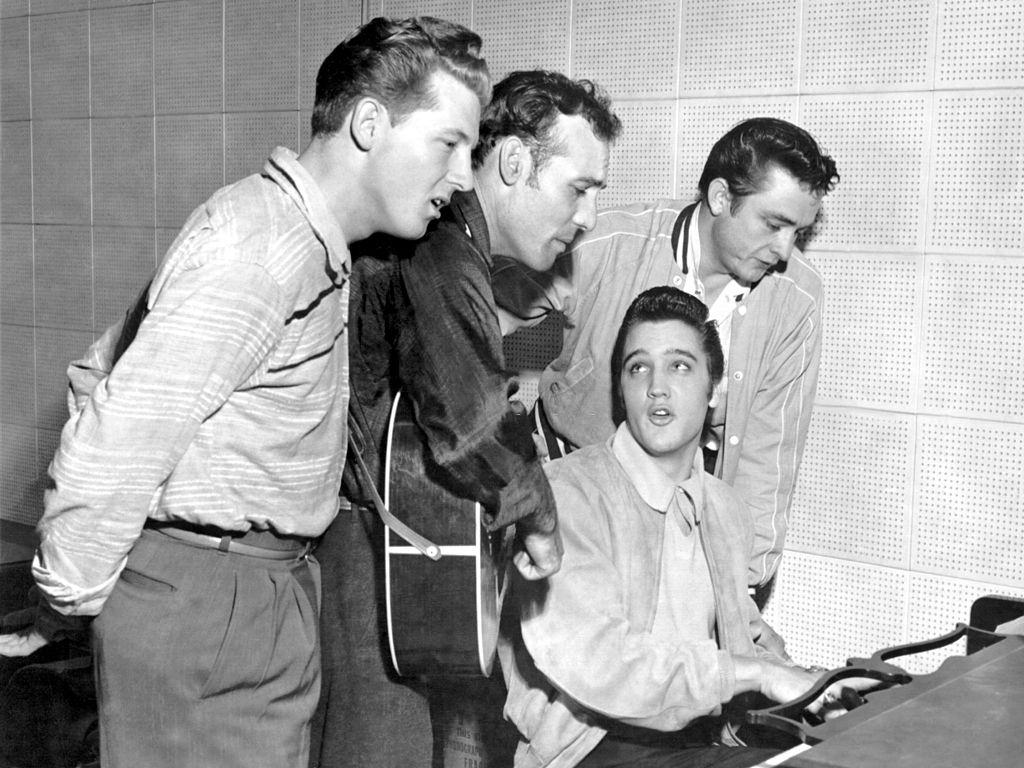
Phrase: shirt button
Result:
[738,376]
[742,309]
[677,281]
[734,440]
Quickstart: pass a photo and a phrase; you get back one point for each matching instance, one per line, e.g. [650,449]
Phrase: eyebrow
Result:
[672,352]
[592,182]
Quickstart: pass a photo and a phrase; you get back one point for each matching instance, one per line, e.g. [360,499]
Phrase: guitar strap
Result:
[424,545]
[133,319]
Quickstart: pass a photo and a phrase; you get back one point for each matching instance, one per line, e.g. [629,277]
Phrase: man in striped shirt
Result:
[197,466]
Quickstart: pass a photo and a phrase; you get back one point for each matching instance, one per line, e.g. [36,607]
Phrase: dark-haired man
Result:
[760,192]
[426,321]
[197,467]
[626,656]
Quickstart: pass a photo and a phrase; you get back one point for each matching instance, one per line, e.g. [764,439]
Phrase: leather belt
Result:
[262,544]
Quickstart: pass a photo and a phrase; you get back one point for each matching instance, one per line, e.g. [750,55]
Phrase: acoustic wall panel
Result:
[40,7]
[16,172]
[18,375]
[831,610]
[261,50]
[55,348]
[60,167]
[539,38]
[123,261]
[322,25]
[854,496]
[527,393]
[122,163]
[14,70]
[736,47]
[703,121]
[20,494]
[971,361]
[867,45]
[531,349]
[880,145]
[643,157]
[459,11]
[980,44]
[936,606]
[189,164]
[121,61]
[608,35]
[250,137]
[869,328]
[60,65]
[63,277]
[977,190]
[969,516]
[12,8]
[17,299]
[189,54]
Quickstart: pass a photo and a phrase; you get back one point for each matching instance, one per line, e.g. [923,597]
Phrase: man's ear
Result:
[719,196]
[368,119]
[713,400]
[513,158]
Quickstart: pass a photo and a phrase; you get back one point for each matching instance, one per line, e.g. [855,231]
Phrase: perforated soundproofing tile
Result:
[249,138]
[971,361]
[322,25]
[60,150]
[739,47]
[14,70]
[165,237]
[123,260]
[122,184]
[977,191]
[868,45]
[20,493]
[969,517]
[188,56]
[16,292]
[880,145]
[17,375]
[12,8]
[16,172]
[854,495]
[459,11]
[63,277]
[121,60]
[60,65]
[642,159]
[55,349]
[936,605]
[261,50]
[531,349]
[537,39]
[703,121]
[607,35]
[56,6]
[980,43]
[189,165]
[528,389]
[869,329]
[829,610]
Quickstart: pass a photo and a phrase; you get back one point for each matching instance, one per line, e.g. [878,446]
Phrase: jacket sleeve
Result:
[773,437]
[577,630]
[452,365]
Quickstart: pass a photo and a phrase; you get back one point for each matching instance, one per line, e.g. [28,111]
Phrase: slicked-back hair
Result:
[395,61]
[660,304]
[749,150]
[527,104]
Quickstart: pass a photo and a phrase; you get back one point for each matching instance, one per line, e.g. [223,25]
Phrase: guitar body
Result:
[442,615]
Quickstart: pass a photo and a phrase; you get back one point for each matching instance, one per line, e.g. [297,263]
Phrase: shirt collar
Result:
[465,210]
[284,168]
[731,294]
[656,488]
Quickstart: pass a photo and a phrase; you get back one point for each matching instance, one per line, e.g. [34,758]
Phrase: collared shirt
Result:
[686,602]
[228,408]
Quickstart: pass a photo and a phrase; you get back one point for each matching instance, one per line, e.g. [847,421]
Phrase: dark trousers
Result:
[207,658]
[612,752]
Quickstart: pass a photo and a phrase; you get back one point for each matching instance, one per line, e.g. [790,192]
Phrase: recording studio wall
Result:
[117,118]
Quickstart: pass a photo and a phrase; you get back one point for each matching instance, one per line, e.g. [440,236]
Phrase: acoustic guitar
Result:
[442,614]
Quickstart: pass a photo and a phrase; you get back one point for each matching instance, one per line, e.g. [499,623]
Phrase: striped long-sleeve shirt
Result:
[228,408]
